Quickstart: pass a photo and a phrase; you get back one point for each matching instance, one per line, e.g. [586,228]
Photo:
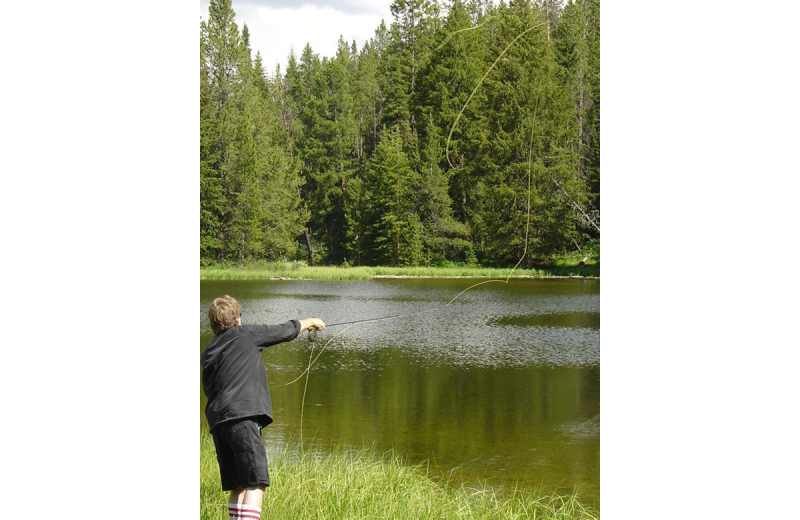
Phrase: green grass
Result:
[299,270]
[358,484]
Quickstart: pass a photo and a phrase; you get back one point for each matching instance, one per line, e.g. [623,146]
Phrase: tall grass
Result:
[356,484]
[299,270]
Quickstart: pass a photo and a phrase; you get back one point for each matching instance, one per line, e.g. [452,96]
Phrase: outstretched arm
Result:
[268,335]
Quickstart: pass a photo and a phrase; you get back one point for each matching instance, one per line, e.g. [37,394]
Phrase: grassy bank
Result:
[361,484]
[301,271]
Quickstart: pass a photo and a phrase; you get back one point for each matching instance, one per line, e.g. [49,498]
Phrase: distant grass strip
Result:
[301,271]
[361,484]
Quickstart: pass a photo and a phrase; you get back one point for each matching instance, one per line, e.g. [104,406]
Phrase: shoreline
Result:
[429,277]
[299,271]
[522,276]
[396,277]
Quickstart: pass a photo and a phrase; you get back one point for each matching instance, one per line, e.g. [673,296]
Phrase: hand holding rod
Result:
[312,333]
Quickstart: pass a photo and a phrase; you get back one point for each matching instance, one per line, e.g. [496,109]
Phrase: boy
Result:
[239,406]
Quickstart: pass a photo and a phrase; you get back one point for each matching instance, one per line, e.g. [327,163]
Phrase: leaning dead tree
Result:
[585,215]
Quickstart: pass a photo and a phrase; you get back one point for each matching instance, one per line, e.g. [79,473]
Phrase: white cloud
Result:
[346,6]
[278,25]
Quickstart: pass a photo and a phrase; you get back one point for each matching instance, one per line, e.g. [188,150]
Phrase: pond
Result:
[502,386]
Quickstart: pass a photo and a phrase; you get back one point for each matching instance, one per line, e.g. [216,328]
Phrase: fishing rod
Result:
[312,333]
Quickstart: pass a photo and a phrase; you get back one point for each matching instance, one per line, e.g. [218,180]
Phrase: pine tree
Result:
[331,150]
[531,126]
[212,201]
[392,231]
[417,149]
[448,78]
[411,38]
[577,50]
[591,10]
[219,59]
[277,190]
[445,238]
[249,182]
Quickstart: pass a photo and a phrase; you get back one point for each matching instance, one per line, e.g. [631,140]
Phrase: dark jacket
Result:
[234,376]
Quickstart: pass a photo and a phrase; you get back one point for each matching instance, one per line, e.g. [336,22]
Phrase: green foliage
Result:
[212,200]
[345,159]
[249,182]
[393,229]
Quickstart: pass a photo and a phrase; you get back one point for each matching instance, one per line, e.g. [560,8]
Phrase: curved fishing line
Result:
[528,219]
[310,363]
[417,313]
[307,371]
[447,38]
[303,402]
[312,360]
[361,322]
[452,128]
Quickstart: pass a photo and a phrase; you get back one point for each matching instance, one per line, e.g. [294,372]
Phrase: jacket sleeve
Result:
[268,335]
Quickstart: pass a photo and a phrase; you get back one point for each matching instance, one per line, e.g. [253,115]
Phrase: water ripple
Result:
[514,325]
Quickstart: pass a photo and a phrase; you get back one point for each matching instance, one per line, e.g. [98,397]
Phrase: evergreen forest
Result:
[415,149]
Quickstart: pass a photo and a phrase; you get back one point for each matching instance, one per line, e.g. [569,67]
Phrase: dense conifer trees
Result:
[345,159]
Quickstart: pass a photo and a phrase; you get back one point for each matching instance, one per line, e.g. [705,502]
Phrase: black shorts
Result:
[241,454]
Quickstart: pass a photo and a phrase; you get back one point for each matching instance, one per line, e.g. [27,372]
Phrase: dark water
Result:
[502,386]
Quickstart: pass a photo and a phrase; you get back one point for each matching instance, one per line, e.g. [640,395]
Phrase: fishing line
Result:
[312,333]
[313,360]
[447,38]
[447,147]
[310,363]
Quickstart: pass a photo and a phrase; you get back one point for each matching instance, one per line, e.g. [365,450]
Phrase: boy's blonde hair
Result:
[223,313]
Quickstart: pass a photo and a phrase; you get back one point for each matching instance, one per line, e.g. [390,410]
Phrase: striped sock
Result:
[243,512]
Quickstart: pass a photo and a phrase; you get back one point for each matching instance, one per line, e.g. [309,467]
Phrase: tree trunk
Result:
[310,248]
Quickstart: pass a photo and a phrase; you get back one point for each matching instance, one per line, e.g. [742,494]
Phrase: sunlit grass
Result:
[363,484]
[299,270]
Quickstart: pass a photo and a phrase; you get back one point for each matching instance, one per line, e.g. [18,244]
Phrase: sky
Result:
[278,25]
